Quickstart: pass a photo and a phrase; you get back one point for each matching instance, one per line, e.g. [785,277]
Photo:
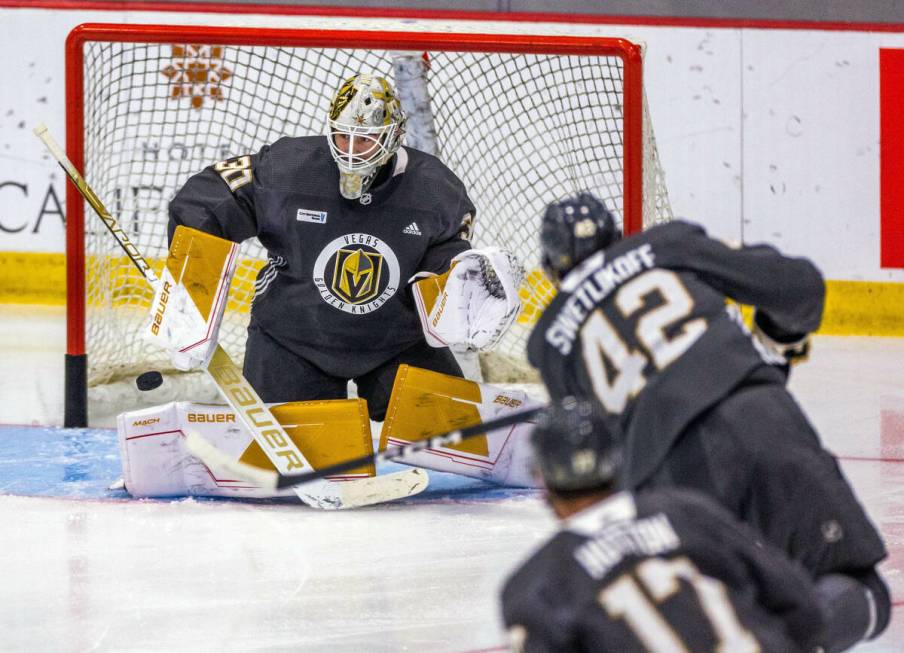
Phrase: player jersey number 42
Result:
[661,343]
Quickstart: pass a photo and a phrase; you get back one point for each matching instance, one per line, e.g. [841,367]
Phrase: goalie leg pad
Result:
[426,403]
[157,464]
[326,432]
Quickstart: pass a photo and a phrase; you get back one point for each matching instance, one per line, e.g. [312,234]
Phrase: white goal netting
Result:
[520,129]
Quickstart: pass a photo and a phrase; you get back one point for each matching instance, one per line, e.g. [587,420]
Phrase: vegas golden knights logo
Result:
[356,275]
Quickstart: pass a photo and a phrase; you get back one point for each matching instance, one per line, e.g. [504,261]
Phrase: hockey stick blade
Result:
[385,487]
[399,452]
[356,493]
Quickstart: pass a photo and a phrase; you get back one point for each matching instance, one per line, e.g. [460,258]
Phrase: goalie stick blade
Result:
[383,488]
[322,494]
[316,495]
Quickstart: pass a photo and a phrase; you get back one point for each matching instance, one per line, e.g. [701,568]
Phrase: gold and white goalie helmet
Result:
[366,125]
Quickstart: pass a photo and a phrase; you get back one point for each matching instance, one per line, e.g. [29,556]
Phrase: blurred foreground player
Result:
[641,324]
[350,221]
[658,570]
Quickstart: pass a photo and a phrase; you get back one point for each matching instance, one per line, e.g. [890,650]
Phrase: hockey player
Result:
[641,324]
[349,221]
[657,570]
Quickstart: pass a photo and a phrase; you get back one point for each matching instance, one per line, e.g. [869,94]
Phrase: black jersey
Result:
[335,288]
[663,570]
[644,327]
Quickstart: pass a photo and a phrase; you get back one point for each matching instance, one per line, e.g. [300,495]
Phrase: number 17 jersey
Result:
[659,570]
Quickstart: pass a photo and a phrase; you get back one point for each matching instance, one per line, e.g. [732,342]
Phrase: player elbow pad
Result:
[854,609]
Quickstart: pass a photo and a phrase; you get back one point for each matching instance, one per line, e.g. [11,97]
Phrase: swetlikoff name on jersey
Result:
[593,282]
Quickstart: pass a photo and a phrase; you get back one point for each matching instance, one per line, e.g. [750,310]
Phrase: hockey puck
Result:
[149,381]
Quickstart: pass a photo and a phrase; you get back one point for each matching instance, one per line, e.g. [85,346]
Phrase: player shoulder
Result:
[682,505]
[419,158]
[668,243]
[429,169]
[298,146]
[671,496]
[282,161]
[545,574]
[536,341]
[676,229]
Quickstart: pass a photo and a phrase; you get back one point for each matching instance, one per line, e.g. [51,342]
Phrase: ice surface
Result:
[83,569]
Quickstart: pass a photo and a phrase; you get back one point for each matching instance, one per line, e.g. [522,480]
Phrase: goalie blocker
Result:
[191,297]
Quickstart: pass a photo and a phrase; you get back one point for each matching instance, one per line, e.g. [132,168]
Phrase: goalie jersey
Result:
[644,328]
[659,571]
[334,290]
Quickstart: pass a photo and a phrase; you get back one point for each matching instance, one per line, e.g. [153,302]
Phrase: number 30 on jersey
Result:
[236,172]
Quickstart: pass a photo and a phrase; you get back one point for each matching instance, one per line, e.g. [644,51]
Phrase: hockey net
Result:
[521,120]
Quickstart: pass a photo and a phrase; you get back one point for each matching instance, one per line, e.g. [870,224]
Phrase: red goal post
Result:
[581,99]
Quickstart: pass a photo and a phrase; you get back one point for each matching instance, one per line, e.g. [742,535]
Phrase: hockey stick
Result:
[277,481]
[279,448]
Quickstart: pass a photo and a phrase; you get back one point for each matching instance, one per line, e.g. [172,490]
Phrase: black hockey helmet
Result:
[577,446]
[572,230]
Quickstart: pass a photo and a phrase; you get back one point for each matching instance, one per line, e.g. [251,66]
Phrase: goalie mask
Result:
[577,446]
[366,125]
[572,230]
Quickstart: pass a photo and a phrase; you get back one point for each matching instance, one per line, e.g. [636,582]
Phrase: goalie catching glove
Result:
[474,303]
[190,299]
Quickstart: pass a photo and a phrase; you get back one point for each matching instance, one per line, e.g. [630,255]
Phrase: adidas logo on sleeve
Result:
[412,229]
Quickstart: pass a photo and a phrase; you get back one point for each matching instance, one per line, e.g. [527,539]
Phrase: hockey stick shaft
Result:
[394,453]
[238,393]
[94,201]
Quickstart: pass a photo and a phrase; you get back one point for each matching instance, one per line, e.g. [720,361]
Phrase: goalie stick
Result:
[279,448]
[217,459]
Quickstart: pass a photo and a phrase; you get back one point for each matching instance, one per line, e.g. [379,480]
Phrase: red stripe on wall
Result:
[891,167]
[227,7]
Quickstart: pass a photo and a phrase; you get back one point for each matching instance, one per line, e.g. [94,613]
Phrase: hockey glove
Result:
[793,347]
[477,303]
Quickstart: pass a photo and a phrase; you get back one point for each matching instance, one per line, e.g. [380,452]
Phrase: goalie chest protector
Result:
[334,288]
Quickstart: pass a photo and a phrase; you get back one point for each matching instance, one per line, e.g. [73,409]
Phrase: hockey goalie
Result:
[470,305]
[350,219]
[370,262]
